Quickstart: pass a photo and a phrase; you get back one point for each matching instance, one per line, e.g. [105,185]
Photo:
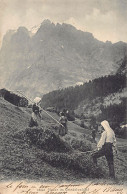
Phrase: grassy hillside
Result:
[24,154]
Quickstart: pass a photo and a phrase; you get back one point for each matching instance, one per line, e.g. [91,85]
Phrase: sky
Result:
[105,19]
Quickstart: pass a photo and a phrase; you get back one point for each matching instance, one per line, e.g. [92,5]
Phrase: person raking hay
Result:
[105,147]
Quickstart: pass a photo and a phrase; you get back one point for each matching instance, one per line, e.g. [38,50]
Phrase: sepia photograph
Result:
[63,96]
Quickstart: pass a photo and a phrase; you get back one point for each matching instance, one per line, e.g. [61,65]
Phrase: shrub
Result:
[73,134]
[71,118]
[82,123]
[123,149]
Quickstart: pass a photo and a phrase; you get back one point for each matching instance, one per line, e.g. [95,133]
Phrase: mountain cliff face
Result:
[56,56]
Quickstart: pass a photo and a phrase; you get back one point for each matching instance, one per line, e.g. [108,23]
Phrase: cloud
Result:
[106,19]
[103,26]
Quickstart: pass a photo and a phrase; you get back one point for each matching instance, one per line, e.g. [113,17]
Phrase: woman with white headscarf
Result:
[105,147]
[35,116]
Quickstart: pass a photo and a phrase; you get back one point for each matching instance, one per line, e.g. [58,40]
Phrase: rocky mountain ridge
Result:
[56,56]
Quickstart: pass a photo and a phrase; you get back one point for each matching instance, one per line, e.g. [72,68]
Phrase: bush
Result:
[73,134]
[123,149]
[122,132]
[82,124]
[71,117]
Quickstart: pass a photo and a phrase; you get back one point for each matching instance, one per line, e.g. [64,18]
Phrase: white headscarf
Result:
[37,100]
[107,136]
[106,126]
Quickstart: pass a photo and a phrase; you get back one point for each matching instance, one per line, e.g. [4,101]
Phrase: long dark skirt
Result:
[33,123]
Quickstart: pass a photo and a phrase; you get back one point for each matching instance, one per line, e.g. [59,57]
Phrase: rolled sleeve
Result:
[102,140]
[114,142]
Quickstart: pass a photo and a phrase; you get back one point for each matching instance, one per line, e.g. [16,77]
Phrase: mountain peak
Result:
[55,50]
[23,29]
[46,28]
[46,22]
[8,35]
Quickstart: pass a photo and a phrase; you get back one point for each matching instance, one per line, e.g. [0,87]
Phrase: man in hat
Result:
[105,147]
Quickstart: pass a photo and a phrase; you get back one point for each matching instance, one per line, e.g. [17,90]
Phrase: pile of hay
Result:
[58,153]
[78,163]
[44,139]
